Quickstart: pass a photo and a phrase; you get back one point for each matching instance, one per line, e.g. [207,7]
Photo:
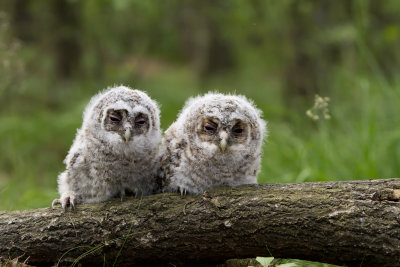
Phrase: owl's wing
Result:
[170,156]
[76,152]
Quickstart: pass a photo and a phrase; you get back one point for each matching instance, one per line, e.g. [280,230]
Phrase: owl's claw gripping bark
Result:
[55,202]
[72,203]
[182,190]
[64,201]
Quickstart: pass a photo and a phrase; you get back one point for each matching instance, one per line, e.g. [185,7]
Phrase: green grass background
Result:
[41,110]
[360,141]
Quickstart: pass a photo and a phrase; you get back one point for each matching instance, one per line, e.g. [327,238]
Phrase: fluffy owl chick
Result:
[216,140]
[115,149]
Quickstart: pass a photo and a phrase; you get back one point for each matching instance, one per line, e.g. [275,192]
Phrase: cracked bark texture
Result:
[333,222]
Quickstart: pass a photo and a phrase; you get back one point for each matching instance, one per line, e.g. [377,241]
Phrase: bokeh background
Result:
[54,55]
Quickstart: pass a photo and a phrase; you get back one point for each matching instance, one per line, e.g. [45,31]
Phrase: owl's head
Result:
[124,116]
[219,125]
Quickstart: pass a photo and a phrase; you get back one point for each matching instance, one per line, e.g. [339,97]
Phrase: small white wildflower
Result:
[320,107]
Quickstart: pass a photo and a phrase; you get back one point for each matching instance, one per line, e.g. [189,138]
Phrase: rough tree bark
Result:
[334,222]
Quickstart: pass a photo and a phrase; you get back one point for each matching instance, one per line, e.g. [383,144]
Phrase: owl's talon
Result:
[72,202]
[182,191]
[64,201]
[55,202]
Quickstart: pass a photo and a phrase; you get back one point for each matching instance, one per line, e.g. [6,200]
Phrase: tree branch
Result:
[334,222]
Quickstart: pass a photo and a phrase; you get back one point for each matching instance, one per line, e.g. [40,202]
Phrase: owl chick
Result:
[216,140]
[114,150]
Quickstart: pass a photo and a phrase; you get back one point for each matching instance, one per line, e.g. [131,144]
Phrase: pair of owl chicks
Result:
[216,140]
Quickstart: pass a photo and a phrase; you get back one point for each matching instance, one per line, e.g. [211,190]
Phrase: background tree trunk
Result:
[334,222]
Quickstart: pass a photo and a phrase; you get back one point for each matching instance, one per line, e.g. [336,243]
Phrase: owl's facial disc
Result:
[211,128]
[223,135]
[126,125]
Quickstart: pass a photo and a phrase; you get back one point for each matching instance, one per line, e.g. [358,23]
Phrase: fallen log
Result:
[351,223]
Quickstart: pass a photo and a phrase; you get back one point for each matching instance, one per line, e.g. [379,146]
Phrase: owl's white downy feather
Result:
[104,159]
[216,140]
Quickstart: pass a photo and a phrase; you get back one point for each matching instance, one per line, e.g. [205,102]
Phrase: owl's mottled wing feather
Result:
[170,157]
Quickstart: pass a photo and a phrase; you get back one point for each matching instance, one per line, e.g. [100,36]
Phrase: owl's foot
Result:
[64,201]
[182,190]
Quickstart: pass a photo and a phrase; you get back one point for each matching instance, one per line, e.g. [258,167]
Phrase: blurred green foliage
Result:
[54,55]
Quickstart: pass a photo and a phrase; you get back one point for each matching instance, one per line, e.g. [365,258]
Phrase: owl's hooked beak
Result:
[223,143]
[128,128]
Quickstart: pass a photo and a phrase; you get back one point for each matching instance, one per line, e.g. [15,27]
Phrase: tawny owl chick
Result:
[216,140]
[115,149]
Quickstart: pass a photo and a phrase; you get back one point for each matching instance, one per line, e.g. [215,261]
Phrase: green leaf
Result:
[265,261]
[288,265]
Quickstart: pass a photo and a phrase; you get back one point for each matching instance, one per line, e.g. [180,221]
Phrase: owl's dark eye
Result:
[237,130]
[140,121]
[115,117]
[210,127]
